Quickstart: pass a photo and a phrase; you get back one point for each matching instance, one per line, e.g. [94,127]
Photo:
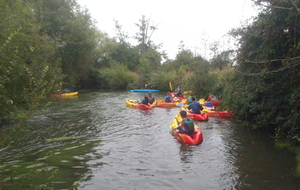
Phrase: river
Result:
[112,146]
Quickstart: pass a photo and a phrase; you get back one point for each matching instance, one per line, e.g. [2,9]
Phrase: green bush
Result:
[118,77]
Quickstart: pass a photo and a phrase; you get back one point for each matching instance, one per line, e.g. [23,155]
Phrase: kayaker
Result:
[186,125]
[147,86]
[189,100]
[196,107]
[151,98]
[168,97]
[215,98]
[211,98]
[145,101]
[63,91]
[179,92]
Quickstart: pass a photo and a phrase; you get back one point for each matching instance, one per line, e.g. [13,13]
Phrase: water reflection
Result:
[186,153]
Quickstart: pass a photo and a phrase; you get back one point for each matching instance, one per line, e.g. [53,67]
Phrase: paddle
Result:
[170,84]
[204,111]
[175,121]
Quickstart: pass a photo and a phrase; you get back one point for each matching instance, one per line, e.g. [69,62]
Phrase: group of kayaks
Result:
[208,111]
[157,103]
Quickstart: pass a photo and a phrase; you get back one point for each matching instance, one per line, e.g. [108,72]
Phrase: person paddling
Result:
[145,101]
[168,97]
[196,107]
[151,98]
[187,125]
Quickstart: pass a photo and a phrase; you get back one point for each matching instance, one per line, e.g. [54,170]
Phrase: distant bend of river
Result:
[112,146]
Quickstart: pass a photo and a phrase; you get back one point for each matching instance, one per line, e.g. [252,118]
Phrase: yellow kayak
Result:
[70,94]
[64,94]
[175,121]
[136,104]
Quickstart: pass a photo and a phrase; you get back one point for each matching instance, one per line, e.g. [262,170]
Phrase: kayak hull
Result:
[135,104]
[216,103]
[144,90]
[224,114]
[198,117]
[196,138]
[64,94]
[165,104]
[173,94]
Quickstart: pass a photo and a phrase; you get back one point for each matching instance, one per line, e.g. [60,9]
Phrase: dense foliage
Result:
[265,90]
[29,66]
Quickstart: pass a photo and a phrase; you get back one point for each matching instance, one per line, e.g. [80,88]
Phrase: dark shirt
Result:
[196,107]
[145,102]
[168,99]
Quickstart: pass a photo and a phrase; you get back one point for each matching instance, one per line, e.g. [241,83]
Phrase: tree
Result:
[143,36]
[222,60]
[66,23]
[121,35]
[265,88]
[29,66]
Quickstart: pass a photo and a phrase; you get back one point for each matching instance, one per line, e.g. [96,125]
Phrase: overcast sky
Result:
[192,21]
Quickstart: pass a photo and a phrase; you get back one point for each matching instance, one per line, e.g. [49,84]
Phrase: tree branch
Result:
[295,5]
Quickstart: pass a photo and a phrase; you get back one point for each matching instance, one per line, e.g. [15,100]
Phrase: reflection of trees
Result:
[58,166]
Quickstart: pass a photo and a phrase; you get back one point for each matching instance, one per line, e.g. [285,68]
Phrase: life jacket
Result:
[190,101]
[214,98]
[150,100]
[190,125]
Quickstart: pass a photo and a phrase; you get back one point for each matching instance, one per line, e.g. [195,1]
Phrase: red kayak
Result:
[135,104]
[198,117]
[196,138]
[216,103]
[225,114]
[173,94]
[144,107]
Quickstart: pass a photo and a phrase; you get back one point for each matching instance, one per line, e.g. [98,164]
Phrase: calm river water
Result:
[117,147]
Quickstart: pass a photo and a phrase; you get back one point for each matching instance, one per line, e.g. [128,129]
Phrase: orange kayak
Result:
[165,104]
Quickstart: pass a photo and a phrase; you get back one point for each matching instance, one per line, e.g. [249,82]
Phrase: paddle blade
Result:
[175,121]
[170,84]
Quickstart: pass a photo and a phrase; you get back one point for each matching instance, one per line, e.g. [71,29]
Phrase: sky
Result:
[196,23]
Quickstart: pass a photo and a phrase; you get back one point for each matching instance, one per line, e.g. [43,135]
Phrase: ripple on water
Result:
[127,148]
